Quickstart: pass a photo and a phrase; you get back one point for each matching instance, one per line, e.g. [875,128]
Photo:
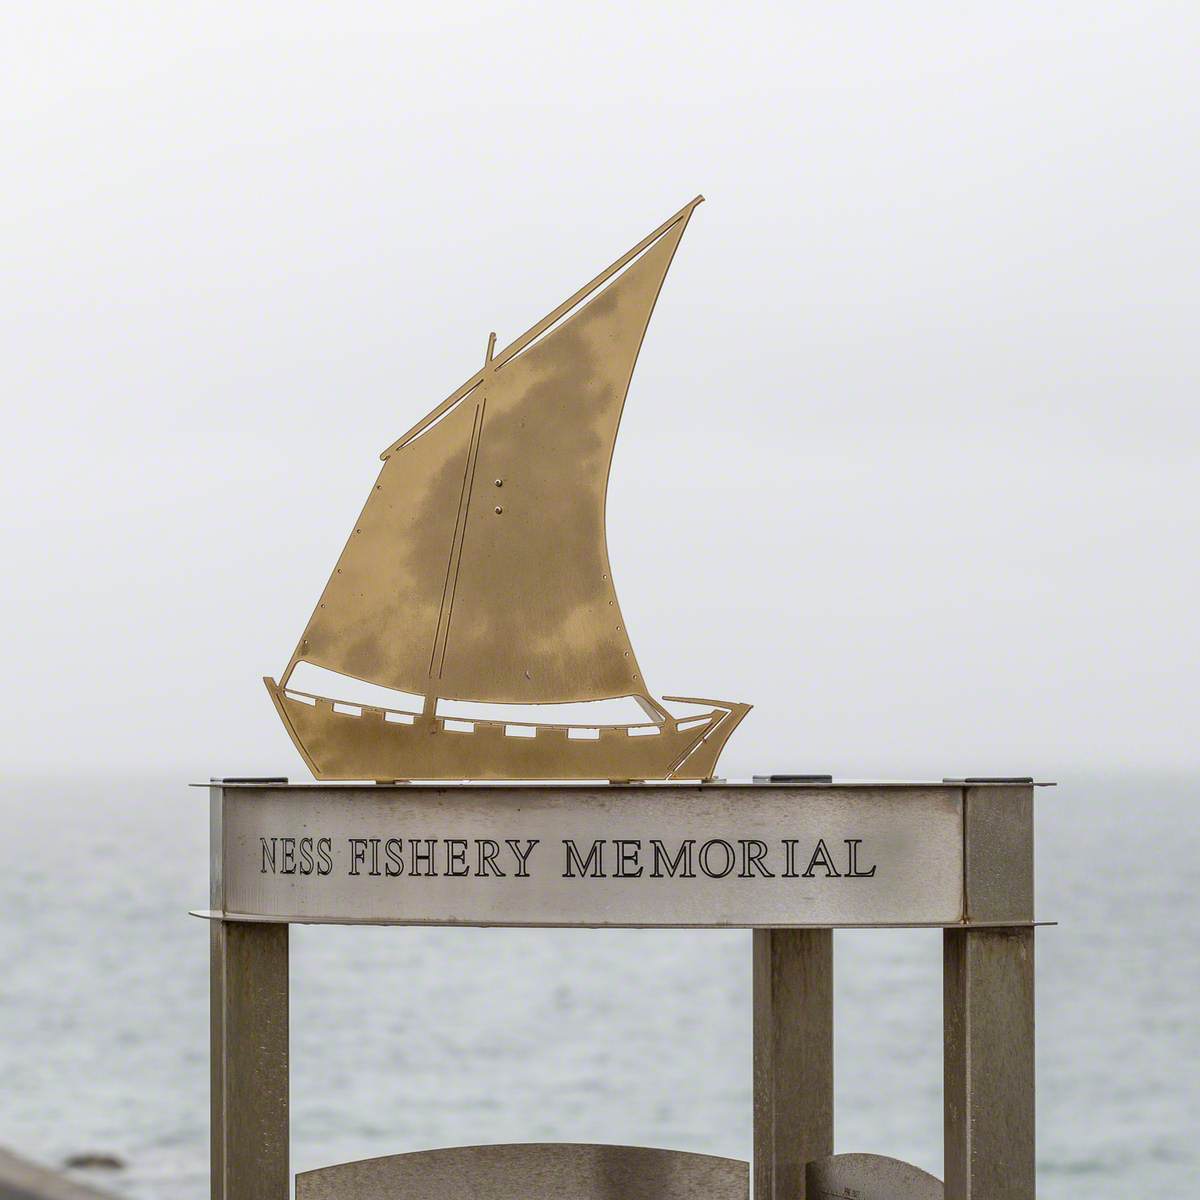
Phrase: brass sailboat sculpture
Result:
[478,570]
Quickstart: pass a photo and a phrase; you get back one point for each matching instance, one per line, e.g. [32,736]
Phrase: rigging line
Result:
[536,331]
[454,541]
[463,540]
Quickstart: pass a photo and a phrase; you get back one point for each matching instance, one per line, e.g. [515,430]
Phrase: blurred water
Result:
[406,1039]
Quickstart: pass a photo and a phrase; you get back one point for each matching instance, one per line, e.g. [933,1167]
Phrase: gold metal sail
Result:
[378,616]
[532,614]
[478,569]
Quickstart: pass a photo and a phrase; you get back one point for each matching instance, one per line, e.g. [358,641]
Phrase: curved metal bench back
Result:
[532,1171]
[870,1177]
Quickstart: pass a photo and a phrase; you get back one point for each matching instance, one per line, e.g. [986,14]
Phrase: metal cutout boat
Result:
[478,571]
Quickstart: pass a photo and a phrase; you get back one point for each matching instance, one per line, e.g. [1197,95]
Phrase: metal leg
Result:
[249,1030]
[793,1057]
[988,1063]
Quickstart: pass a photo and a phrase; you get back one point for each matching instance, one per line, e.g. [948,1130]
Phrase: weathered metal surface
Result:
[869,1177]
[590,856]
[478,569]
[793,1057]
[988,1064]
[249,1061]
[998,849]
[553,1171]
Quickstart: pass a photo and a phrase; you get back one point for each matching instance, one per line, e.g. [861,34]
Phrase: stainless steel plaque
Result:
[712,856]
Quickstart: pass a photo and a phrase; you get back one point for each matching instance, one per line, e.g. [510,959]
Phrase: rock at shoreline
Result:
[93,1161]
[21,1179]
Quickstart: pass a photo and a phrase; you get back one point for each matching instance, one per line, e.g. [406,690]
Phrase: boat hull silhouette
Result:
[339,740]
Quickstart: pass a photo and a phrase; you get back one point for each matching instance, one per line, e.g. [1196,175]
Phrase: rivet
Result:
[499,482]
[499,509]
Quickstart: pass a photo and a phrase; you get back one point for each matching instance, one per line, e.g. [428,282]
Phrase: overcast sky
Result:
[910,456]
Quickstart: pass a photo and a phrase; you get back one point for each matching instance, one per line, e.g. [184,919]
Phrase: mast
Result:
[437,655]
[439,642]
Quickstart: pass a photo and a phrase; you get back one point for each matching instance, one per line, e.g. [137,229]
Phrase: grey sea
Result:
[409,1039]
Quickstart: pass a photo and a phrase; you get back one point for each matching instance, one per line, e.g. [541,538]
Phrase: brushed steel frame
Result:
[988,1017]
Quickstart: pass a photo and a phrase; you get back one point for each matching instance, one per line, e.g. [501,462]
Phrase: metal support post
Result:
[793,1057]
[988,1064]
[249,1034]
